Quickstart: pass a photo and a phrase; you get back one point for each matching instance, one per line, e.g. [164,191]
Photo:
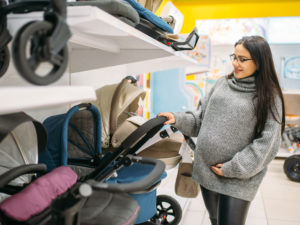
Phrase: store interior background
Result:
[188,85]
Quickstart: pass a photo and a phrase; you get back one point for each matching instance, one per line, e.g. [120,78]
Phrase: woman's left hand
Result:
[217,169]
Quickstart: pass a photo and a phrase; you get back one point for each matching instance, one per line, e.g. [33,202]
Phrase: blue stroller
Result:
[56,197]
[74,141]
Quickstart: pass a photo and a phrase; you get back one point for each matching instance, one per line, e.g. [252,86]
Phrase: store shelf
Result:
[116,43]
[15,99]
[100,40]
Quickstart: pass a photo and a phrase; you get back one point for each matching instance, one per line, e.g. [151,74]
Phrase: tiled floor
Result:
[276,203]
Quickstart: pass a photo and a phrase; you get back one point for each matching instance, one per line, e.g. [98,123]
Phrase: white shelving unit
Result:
[99,41]
[15,99]
[117,43]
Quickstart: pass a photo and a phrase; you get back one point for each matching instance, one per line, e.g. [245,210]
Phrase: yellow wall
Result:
[217,9]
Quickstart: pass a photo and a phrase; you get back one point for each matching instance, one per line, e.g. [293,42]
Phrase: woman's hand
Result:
[170,117]
[217,169]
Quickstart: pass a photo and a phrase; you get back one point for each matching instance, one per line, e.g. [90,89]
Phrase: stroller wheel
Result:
[168,210]
[292,167]
[33,57]
[4,60]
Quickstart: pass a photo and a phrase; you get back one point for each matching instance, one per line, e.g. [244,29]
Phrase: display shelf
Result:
[15,99]
[116,43]
[100,40]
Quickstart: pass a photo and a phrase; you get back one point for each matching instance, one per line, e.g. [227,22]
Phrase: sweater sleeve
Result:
[189,122]
[259,153]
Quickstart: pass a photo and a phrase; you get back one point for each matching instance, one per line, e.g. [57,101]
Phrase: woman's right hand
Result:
[170,117]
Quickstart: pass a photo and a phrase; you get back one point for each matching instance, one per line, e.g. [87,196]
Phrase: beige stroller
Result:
[118,105]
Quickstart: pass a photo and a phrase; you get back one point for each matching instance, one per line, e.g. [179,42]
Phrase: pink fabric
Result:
[39,194]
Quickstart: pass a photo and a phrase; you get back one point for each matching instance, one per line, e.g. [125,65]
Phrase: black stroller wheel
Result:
[292,167]
[168,210]
[4,60]
[31,49]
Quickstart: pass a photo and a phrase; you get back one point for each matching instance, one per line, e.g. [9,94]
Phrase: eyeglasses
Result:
[239,60]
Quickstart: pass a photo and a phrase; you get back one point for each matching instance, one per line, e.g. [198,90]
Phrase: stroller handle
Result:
[21,170]
[136,138]
[159,168]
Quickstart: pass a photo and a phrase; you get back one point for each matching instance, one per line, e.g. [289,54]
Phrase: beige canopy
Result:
[116,103]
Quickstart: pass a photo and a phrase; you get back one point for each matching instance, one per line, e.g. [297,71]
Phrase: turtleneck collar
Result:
[246,84]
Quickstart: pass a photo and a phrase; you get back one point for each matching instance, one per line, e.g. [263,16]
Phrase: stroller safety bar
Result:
[148,181]
[20,170]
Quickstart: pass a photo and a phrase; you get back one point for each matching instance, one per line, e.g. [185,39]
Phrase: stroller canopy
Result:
[116,103]
[21,138]
[74,139]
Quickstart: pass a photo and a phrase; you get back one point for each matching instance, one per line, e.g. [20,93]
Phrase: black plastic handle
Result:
[148,181]
[21,170]
[139,136]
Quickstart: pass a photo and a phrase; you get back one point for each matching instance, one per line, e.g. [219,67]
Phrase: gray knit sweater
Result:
[224,127]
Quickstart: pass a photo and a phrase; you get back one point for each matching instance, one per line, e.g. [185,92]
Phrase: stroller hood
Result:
[116,102]
[62,127]
[21,137]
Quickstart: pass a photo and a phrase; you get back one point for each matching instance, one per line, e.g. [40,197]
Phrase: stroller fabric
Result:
[106,208]
[116,102]
[151,5]
[21,137]
[147,200]
[39,194]
[145,13]
[59,150]
[118,8]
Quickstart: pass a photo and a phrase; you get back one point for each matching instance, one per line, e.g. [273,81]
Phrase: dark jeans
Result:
[224,209]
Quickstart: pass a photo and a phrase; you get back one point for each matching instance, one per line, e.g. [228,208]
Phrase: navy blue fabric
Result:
[147,201]
[56,151]
[148,15]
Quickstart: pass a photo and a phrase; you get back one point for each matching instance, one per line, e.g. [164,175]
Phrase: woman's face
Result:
[244,65]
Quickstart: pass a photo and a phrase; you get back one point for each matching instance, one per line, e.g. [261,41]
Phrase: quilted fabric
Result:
[37,196]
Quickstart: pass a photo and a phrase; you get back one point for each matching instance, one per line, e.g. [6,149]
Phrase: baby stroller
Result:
[73,141]
[21,138]
[291,136]
[56,198]
[122,101]
[36,42]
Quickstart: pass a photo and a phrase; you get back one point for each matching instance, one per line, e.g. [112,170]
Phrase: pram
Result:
[60,130]
[31,204]
[291,136]
[21,138]
[122,101]
[36,42]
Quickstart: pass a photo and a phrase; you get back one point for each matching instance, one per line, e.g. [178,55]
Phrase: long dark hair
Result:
[267,84]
